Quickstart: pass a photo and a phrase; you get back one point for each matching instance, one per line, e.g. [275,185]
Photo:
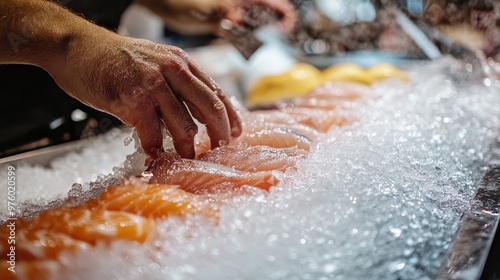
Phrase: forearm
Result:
[37,32]
[144,84]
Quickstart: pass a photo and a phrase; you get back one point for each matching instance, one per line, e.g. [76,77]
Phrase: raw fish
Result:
[204,177]
[254,158]
[154,201]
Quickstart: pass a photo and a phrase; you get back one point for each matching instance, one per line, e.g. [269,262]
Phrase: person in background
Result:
[144,84]
[474,24]
[204,16]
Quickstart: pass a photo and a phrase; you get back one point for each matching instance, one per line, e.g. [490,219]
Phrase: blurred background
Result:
[36,113]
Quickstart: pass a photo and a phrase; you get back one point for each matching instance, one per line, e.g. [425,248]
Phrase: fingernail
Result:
[155,152]
[222,143]
[235,131]
[192,132]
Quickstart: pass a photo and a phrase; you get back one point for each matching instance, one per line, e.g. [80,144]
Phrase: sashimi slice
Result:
[154,201]
[36,244]
[42,244]
[338,91]
[276,137]
[6,274]
[299,123]
[318,119]
[323,104]
[271,136]
[91,225]
[321,120]
[29,270]
[268,116]
[334,96]
[260,121]
[204,177]
[254,158]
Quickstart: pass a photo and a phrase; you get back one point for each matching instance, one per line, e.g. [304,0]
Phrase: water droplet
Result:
[487,82]
[396,232]
[329,268]
[247,213]
[396,266]
[127,140]
[272,238]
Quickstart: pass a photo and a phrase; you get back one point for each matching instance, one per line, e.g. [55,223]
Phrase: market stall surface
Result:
[380,198]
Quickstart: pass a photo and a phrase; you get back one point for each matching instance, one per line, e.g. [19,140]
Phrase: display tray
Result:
[42,156]
[475,250]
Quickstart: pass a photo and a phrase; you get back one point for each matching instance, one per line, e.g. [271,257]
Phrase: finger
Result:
[177,120]
[234,118]
[231,10]
[288,16]
[285,11]
[147,126]
[235,15]
[214,142]
[232,114]
[215,115]
[199,96]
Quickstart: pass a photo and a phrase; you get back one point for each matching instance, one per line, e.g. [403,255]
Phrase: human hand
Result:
[256,13]
[146,85]
[204,16]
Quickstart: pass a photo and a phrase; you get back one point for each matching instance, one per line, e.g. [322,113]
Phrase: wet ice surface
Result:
[379,199]
[88,167]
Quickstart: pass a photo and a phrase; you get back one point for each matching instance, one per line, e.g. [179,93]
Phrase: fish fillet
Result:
[204,177]
[154,201]
[254,158]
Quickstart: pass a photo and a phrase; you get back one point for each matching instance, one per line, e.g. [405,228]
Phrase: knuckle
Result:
[187,134]
[175,66]
[219,110]
[218,91]
[177,59]
[141,99]
[177,51]
[153,80]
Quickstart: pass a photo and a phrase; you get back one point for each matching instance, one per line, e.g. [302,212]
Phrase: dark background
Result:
[32,100]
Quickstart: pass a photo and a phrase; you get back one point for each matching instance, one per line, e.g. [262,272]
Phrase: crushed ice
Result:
[378,199]
[95,164]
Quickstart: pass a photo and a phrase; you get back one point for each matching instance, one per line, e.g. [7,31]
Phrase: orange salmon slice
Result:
[204,177]
[321,120]
[43,244]
[337,91]
[91,225]
[278,136]
[333,96]
[254,158]
[318,119]
[154,201]
[30,270]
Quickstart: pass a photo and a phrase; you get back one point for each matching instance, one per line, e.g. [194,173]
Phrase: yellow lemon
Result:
[347,72]
[384,71]
[297,81]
